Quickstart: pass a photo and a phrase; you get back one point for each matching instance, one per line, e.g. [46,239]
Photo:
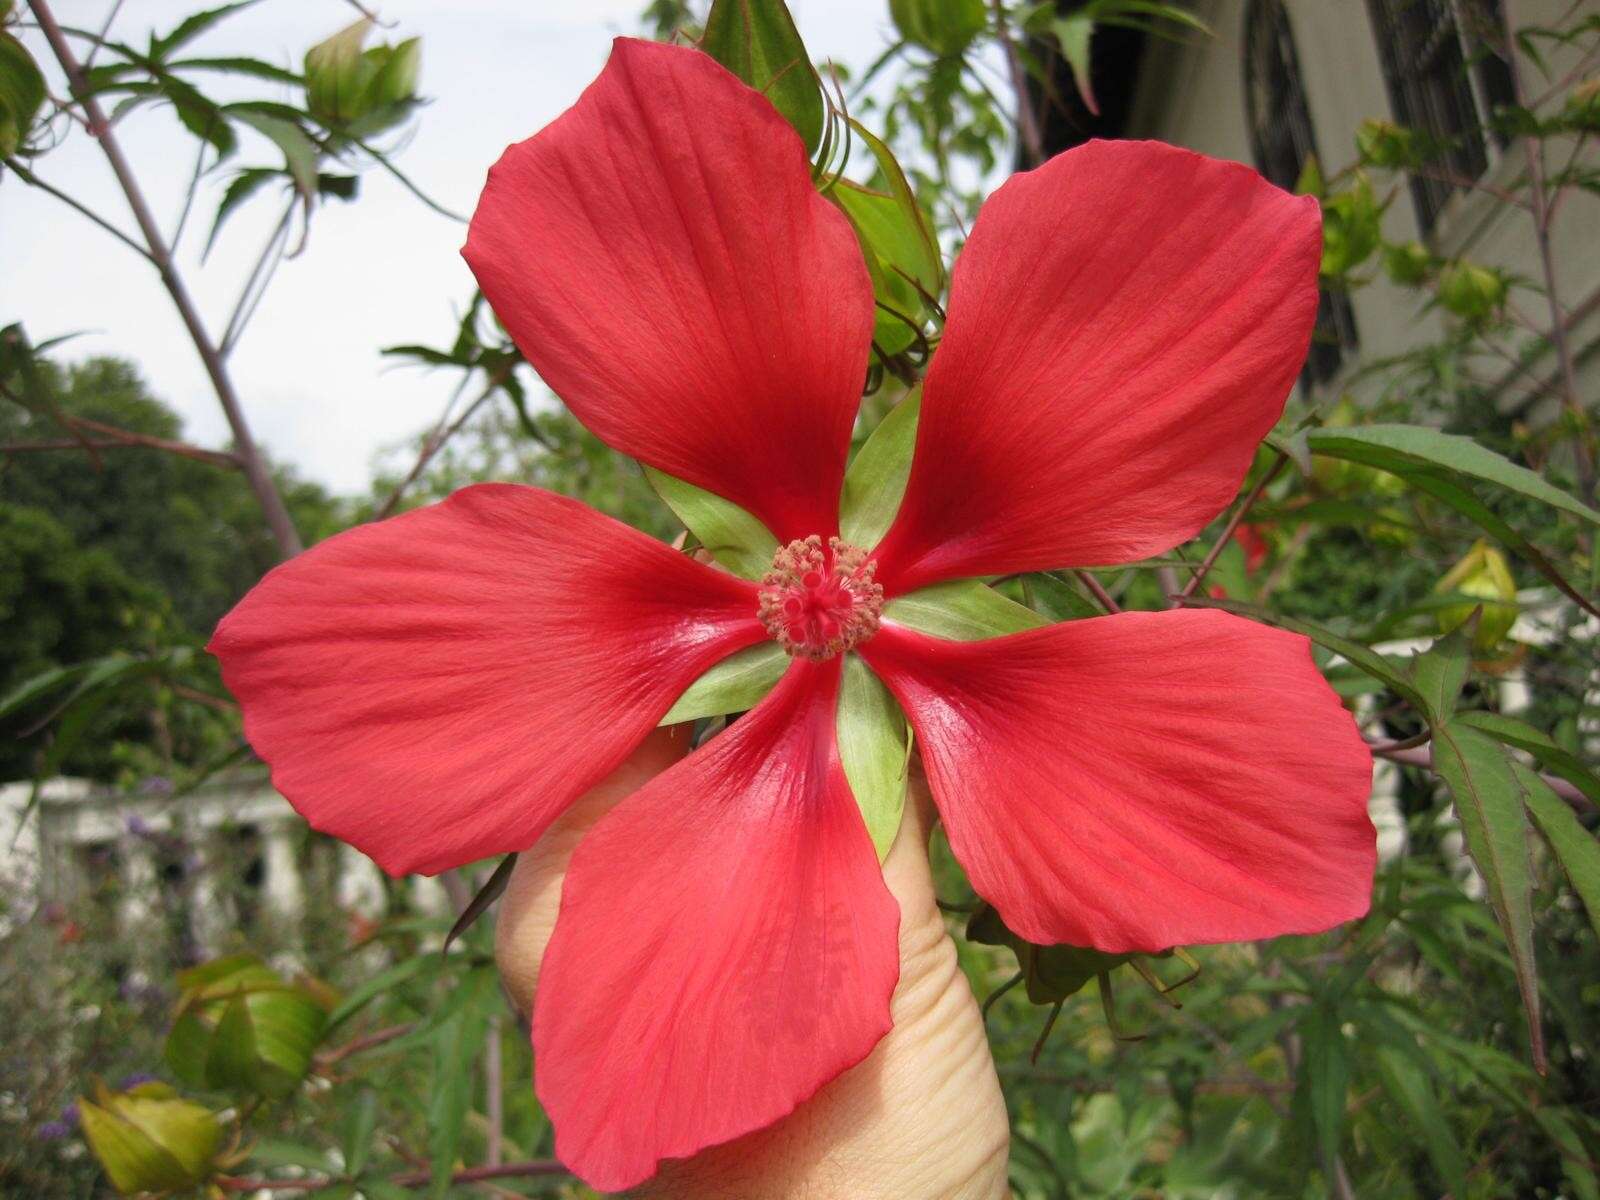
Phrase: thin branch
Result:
[1540,198]
[1098,591]
[114,438]
[1233,523]
[356,1045]
[412,1179]
[1027,120]
[33,180]
[441,434]
[249,455]
[255,286]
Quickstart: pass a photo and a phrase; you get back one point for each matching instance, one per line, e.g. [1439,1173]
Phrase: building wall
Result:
[1193,94]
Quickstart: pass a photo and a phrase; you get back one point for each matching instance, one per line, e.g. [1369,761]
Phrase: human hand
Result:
[922,1118]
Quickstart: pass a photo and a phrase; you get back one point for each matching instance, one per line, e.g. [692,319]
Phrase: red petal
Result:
[436,688]
[726,946]
[1142,781]
[1125,324]
[660,255]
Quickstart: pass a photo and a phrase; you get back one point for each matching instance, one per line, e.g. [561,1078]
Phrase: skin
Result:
[922,1118]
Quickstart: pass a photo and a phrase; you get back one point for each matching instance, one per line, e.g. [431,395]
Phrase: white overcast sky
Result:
[381,271]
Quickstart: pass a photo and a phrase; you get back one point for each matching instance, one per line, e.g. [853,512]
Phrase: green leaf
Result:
[231,1057]
[456,1046]
[758,42]
[1325,1077]
[1052,973]
[1440,672]
[735,538]
[876,480]
[1406,449]
[898,241]
[1489,800]
[1576,1160]
[300,153]
[360,1122]
[240,188]
[1556,759]
[875,750]
[963,610]
[1074,34]
[1412,1089]
[946,27]
[1574,846]
[22,92]
[426,965]
[1057,600]
[735,684]
[192,27]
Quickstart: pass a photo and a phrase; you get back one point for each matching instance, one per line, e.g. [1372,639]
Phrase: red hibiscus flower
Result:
[1124,325]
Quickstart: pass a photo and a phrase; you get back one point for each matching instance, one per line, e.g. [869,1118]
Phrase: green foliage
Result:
[758,42]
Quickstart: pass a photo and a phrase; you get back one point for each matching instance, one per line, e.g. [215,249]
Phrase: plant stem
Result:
[249,455]
[1098,591]
[1540,202]
[1233,523]
[412,1179]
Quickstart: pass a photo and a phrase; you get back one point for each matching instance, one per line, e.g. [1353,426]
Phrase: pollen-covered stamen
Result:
[819,601]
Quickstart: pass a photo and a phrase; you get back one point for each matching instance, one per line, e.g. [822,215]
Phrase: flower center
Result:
[819,601]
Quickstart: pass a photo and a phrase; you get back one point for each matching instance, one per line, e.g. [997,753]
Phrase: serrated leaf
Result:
[1489,801]
[735,539]
[876,479]
[735,684]
[1574,846]
[240,188]
[192,27]
[1440,672]
[1556,759]
[300,153]
[1405,449]
[875,750]
[963,610]
[757,41]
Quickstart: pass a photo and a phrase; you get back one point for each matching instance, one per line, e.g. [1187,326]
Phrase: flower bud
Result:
[241,1028]
[1471,292]
[945,27]
[1385,144]
[1407,264]
[1583,106]
[1485,574]
[150,1140]
[369,90]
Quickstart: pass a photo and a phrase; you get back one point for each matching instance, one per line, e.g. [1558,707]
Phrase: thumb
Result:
[922,1116]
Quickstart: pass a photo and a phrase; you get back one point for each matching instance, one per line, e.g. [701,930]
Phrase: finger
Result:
[922,1116]
[527,912]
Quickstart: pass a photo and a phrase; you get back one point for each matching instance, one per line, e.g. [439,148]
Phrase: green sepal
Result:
[757,41]
[735,684]
[963,610]
[876,479]
[735,539]
[875,749]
